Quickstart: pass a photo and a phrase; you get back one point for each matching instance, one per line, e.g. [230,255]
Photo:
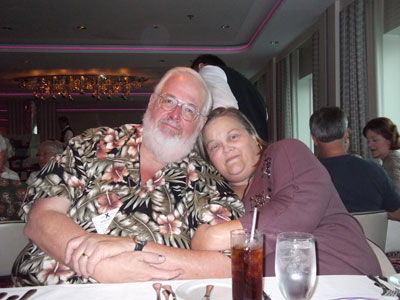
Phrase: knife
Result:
[208,292]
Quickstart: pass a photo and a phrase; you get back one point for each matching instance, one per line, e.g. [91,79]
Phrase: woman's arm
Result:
[216,237]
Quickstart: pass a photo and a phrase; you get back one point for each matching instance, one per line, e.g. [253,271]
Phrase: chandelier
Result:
[51,86]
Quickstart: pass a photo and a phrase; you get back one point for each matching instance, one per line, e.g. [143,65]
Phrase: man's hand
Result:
[84,252]
[134,266]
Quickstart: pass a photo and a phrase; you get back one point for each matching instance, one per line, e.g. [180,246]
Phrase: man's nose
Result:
[176,113]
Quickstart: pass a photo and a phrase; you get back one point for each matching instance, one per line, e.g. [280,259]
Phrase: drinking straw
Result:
[253,225]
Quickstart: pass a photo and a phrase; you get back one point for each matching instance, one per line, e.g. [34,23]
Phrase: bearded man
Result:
[117,191]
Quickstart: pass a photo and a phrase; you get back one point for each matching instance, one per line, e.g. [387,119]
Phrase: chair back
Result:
[12,241]
[374,225]
[386,266]
[393,237]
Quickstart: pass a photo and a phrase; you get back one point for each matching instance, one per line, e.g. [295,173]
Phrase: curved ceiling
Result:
[144,37]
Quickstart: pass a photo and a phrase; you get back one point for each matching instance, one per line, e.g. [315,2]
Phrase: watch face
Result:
[139,244]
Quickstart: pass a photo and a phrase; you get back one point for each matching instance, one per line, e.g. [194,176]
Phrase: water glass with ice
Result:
[295,264]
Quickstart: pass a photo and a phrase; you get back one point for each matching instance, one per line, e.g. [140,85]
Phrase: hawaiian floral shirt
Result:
[100,173]
[12,193]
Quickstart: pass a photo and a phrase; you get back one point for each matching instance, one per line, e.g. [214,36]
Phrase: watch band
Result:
[139,244]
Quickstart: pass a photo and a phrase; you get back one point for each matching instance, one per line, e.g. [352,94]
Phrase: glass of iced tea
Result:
[247,265]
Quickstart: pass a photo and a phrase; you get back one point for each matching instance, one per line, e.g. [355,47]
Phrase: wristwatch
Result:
[139,243]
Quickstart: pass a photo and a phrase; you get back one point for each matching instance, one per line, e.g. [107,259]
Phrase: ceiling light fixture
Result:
[43,87]
[81,27]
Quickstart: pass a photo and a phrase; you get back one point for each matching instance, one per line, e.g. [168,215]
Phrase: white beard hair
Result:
[165,149]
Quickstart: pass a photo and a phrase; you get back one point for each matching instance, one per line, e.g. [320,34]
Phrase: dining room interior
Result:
[97,63]
[300,54]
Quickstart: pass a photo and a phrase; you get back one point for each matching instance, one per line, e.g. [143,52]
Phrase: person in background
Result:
[66,131]
[47,150]
[384,142]
[363,185]
[5,151]
[292,190]
[121,204]
[12,190]
[229,88]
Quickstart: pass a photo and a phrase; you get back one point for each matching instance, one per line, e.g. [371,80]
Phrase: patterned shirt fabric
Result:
[12,193]
[100,173]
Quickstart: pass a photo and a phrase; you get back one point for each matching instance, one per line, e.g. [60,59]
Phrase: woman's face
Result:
[377,144]
[232,150]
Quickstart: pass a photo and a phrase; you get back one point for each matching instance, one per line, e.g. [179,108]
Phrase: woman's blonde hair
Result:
[238,116]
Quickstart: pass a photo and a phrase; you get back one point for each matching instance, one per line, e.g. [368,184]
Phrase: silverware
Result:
[166,294]
[157,288]
[385,290]
[265,296]
[209,288]
[28,294]
[13,297]
[385,279]
[2,295]
[168,288]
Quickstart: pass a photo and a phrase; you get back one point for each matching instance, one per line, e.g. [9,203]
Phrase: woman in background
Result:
[383,142]
[293,192]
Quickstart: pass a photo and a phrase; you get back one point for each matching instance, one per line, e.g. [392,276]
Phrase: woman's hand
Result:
[84,252]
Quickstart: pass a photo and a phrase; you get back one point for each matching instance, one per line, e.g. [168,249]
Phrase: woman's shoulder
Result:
[394,155]
[289,145]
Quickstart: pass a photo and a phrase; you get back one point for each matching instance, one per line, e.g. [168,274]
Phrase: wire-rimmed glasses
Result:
[189,112]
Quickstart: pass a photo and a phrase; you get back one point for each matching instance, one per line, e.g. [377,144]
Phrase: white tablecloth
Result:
[328,287]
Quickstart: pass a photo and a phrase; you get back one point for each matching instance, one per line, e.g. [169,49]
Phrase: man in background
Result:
[47,150]
[229,88]
[66,131]
[362,184]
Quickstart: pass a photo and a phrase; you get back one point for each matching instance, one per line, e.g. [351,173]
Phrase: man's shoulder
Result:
[352,162]
[122,130]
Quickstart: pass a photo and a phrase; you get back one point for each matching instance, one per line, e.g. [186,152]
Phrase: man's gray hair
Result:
[188,71]
[328,124]
[53,146]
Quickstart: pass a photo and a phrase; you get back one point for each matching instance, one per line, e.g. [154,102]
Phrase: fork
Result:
[386,291]
[383,278]
[170,291]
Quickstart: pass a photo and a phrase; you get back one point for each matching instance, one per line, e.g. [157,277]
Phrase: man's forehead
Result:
[184,87]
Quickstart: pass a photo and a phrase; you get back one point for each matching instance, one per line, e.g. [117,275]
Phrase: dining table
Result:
[328,287]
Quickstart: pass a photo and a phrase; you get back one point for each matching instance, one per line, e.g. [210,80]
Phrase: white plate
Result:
[395,280]
[196,290]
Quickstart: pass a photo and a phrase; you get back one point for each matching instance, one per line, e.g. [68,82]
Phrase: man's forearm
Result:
[50,230]
[195,263]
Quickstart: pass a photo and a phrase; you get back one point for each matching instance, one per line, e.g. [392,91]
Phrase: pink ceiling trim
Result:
[83,48]
[74,94]
[100,109]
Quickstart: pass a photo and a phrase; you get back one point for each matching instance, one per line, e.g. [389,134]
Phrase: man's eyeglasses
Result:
[189,112]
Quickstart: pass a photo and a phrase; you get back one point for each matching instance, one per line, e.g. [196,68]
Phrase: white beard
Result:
[166,149]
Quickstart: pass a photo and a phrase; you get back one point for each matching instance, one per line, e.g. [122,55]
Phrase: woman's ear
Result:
[255,139]
[203,122]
